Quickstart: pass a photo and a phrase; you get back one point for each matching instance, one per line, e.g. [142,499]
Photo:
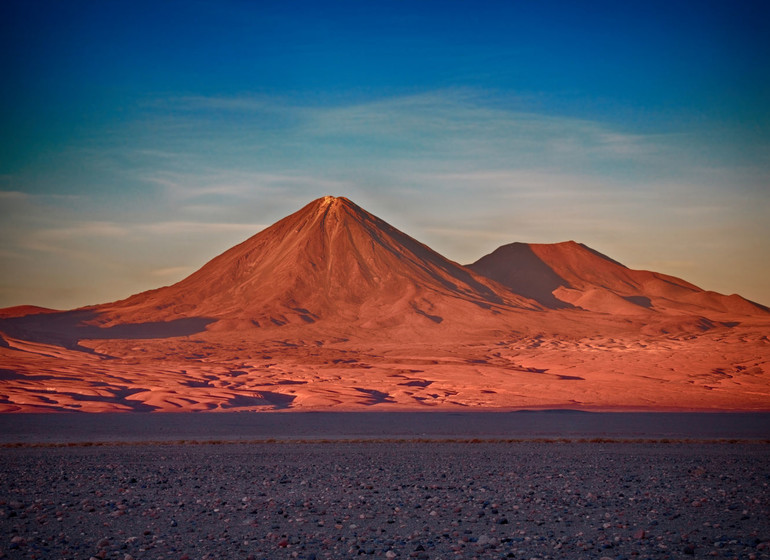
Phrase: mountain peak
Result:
[325,202]
[334,202]
[329,259]
[321,209]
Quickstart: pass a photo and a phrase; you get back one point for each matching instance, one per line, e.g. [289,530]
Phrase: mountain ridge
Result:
[333,308]
[302,255]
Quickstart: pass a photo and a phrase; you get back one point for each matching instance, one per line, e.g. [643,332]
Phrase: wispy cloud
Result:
[41,242]
[186,228]
[172,272]
[46,238]
[450,128]
[13,195]
[85,229]
[208,104]
[460,170]
[181,186]
[445,126]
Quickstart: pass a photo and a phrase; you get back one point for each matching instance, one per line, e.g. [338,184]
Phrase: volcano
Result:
[333,308]
[331,261]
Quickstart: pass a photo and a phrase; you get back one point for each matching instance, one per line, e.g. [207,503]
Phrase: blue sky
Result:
[137,141]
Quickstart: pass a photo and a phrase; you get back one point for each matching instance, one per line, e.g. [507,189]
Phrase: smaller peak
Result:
[570,246]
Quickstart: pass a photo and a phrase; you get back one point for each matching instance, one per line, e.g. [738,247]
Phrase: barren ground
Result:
[398,500]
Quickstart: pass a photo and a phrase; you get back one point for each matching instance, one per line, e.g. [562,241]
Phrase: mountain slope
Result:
[329,260]
[569,274]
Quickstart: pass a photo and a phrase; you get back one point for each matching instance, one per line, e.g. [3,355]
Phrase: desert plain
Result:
[402,499]
[538,484]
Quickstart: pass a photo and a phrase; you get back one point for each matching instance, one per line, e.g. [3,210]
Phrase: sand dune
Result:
[331,308]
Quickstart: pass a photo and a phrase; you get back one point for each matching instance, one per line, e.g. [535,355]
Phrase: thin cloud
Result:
[172,271]
[13,255]
[207,104]
[13,195]
[244,185]
[446,120]
[185,228]
[41,244]
[85,229]
[447,125]
[95,230]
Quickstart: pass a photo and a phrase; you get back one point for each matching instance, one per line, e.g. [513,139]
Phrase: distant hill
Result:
[570,274]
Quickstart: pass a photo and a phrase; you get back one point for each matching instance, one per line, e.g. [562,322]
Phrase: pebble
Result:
[397,500]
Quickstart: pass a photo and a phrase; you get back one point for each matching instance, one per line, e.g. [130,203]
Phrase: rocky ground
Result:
[397,500]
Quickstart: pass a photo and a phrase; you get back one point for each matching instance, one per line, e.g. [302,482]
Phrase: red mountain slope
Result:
[570,274]
[331,260]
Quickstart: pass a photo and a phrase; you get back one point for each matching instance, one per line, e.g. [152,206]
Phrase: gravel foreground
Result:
[398,500]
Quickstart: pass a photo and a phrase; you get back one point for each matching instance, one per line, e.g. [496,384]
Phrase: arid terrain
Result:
[401,500]
[331,308]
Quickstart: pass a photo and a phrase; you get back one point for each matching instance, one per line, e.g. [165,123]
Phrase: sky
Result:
[139,140]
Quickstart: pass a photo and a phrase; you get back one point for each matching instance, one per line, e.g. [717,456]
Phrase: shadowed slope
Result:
[517,267]
[67,328]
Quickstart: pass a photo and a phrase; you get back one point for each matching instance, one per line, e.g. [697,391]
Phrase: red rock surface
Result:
[332,308]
